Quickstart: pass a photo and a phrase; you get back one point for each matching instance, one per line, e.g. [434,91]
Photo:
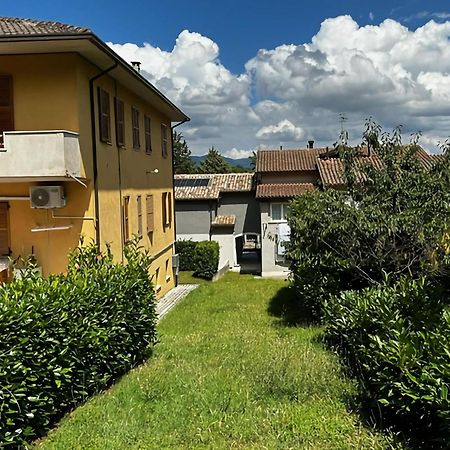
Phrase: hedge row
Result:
[66,337]
[200,257]
[397,340]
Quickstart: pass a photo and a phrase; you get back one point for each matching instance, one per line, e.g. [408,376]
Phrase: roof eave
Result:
[174,113]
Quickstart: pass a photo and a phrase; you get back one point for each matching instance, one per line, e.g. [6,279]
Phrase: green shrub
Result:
[206,259]
[397,341]
[66,337]
[186,250]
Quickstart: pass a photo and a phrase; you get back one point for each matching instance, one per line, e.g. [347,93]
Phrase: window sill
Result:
[168,278]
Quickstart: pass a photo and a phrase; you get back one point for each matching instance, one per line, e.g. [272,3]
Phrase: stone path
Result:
[166,303]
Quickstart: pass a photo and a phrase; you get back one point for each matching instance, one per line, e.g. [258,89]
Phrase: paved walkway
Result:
[166,303]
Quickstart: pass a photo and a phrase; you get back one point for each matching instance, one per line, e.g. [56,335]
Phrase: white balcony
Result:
[40,156]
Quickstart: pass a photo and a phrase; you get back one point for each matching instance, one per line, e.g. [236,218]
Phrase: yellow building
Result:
[85,148]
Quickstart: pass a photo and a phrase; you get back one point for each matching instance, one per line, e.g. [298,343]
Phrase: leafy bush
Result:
[397,341]
[66,337]
[372,261]
[186,250]
[206,259]
[392,217]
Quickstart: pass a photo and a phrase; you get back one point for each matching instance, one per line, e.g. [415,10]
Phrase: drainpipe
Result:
[173,186]
[94,150]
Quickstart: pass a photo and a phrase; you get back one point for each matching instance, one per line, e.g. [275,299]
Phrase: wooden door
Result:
[4,229]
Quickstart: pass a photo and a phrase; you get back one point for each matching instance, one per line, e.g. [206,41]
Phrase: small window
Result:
[278,211]
[104,115]
[120,123]
[149,207]
[164,140]
[135,128]
[167,208]
[126,219]
[148,134]
[4,229]
[139,215]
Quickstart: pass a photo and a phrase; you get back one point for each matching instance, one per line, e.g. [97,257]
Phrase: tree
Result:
[182,155]
[214,163]
[253,160]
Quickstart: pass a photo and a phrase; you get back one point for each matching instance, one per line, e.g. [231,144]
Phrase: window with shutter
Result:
[167,208]
[164,140]
[120,123]
[149,207]
[126,219]
[104,115]
[4,229]
[139,215]
[6,106]
[148,134]
[135,128]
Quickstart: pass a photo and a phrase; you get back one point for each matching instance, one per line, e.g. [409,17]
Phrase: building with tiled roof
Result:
[85,135]
[283,174]
[220,207]
[210,186]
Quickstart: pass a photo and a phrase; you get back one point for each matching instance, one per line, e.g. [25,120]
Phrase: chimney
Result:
[136,65]
[310,144]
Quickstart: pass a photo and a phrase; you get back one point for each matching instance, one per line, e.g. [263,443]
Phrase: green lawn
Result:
[187,278]
[228,373]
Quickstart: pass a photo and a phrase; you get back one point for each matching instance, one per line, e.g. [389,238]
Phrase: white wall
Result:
[225,238]
[269,229]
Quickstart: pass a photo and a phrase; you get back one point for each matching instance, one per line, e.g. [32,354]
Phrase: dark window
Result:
[149,206]
[148,134]
[120,123]
[6,106]
[126,219]
[139,215]
[164,140]
[4,229]
[104,115]
[135,128]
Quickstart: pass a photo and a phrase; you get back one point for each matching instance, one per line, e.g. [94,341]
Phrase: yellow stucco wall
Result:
[51,92]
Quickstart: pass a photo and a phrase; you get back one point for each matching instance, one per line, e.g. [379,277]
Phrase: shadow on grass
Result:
[289,309]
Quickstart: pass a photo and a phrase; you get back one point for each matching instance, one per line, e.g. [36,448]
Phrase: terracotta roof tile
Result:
[282,190]
[212,185]
[332,170]
[224,221]
[287,160]
[11,26]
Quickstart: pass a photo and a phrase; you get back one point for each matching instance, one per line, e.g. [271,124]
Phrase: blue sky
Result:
[249,104]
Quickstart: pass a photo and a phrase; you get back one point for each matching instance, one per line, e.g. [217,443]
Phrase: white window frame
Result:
[284,211]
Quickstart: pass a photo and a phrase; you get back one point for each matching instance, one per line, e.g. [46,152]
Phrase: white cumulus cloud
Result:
[292,93]
[284,131]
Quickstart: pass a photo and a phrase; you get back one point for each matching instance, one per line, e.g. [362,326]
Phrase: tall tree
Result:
[182,155]
[214,163]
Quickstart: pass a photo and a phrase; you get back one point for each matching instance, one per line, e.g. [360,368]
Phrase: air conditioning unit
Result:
[47,197]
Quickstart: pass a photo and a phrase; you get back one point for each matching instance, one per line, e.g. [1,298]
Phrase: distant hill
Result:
[243,162]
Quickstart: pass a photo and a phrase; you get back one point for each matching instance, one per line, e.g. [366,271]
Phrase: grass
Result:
[186,277]
[230,372]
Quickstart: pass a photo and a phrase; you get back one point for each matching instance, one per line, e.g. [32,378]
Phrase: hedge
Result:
[186,250]
[202,257]
[206,259]
[397,341]
[66,337]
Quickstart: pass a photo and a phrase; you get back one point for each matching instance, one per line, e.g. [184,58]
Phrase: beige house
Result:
[85,149]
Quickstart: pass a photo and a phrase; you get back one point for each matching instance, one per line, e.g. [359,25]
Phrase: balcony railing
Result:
[40,155]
